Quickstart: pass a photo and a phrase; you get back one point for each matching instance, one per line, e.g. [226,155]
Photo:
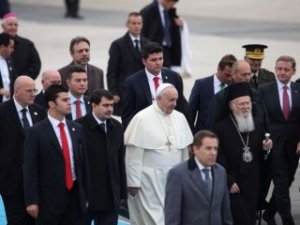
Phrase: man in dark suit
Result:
[204,89]
[55,170]
[25,56]
[16,116]
[162,25]
[140,88]
[282,101]
[7,75]
[106,152]
[254,56]
[77,83]
[125,59]
[49,77]
[80,52]
[218,108]
[196,190]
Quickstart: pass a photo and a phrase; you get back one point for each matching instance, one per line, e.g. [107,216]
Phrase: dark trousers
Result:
[15,209]
[101,217]
[284,169]
[72,8]
[72,214]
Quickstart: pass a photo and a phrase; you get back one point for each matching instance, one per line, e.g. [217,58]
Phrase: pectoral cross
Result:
[168,143]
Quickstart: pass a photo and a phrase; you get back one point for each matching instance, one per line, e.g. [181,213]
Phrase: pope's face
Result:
[167,101]
[206,153]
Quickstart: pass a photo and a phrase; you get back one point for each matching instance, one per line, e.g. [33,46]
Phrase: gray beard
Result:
[245,124]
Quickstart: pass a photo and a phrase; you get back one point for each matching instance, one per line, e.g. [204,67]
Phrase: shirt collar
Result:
[151,76]
[55,122]
[98,120]
[73,99]
[200,165]
[281,85]
[134,38]
[18,105]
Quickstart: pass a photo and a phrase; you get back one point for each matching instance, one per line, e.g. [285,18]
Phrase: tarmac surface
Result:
[216,28]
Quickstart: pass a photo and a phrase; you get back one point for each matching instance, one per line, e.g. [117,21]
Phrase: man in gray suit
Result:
[192,194]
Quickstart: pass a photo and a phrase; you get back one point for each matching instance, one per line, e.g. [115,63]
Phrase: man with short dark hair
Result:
[106,152]
[7,75]
[196,190]
[282,101]
[125,59]
[25,56]
[77,83]
[80,52]
[141,87]
[204,89]
[16,116]
[55,165]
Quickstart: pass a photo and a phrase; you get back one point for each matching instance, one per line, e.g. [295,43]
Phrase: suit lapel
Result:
[196,177]
[16,118]
[72,132]
[273,91]
[52,136]
[130,46]
[295,95]
[34,115]
[145,86]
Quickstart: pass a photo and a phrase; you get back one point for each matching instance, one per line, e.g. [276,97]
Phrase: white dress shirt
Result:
[54,122]
[151,83]
[73,106]
[280,92]
[19,108]
[201,167]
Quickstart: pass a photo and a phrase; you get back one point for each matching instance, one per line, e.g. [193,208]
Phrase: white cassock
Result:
[155,142]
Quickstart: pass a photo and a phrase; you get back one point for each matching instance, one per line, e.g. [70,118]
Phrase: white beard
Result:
[245,124]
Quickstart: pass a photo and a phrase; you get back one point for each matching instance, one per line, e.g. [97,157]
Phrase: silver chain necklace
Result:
[247,154]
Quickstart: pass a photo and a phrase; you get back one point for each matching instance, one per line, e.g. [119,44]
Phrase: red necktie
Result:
[156,82]
[66,154]
[78,109]
[285,103]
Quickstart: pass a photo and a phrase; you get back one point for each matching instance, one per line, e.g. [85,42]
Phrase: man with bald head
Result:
[156,139]
[241,72]
[25,56]
[49,77]
[16,116]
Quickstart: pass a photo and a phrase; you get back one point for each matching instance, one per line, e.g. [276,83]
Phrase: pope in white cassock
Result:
[156,139]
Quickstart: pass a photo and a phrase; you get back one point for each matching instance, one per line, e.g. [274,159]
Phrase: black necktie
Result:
[25,121]
[254,78]
[136,45]
[167,35]
[103,127]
